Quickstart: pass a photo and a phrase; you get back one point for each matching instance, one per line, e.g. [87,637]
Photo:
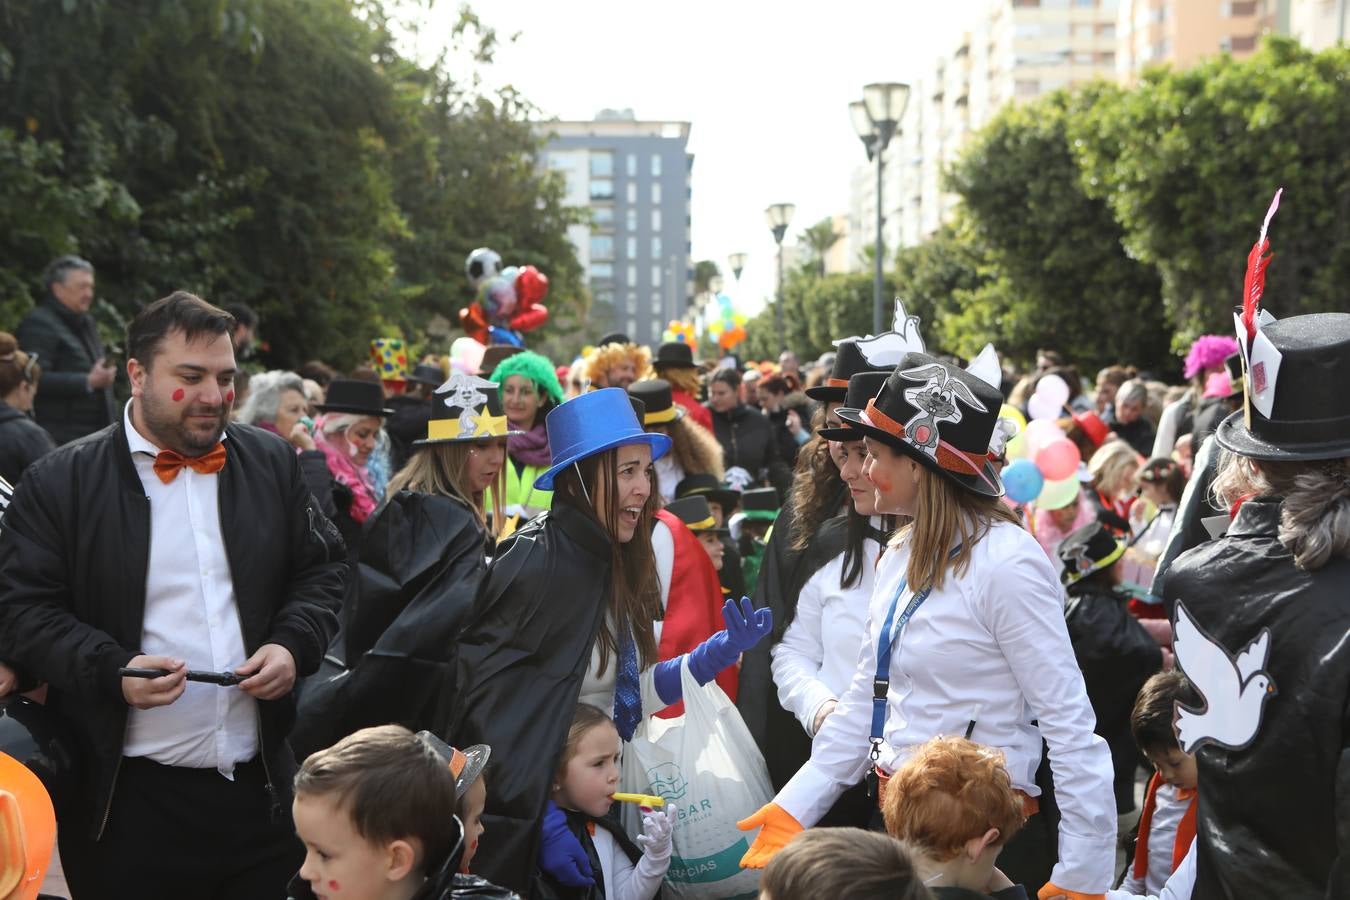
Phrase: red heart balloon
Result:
[531,286]
[530,319]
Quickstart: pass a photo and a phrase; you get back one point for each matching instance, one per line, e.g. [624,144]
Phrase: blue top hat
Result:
[591,424]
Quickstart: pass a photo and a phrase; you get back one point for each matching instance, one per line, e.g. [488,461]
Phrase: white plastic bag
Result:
[706,764]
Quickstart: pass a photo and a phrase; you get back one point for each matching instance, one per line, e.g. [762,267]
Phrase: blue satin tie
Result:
[627,694]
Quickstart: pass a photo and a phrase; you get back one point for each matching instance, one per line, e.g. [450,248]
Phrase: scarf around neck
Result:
[530,448]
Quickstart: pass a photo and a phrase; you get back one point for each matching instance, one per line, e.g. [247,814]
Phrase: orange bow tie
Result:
[168,462]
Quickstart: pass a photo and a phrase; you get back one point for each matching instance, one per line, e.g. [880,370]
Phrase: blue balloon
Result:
[1023,481]
[724,302]
[505,336]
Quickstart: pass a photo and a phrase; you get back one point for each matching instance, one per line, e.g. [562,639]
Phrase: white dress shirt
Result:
[815,661]
[989,645]
[1168,811]
[1179,886]
[190,614]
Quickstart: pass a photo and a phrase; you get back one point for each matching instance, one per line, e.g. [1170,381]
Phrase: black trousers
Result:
[185,834]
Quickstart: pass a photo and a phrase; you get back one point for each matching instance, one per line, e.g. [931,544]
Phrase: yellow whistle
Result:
[642,800]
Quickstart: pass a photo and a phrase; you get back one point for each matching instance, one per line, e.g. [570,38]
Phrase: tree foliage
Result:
[816,312]
[281,153]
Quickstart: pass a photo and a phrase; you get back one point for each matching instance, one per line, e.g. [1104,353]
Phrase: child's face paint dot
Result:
[178,395]
[334,886]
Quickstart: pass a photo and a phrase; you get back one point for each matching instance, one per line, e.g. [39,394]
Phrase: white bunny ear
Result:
[986,368]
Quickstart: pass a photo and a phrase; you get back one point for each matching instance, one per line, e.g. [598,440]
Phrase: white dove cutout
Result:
[1234,689]
[888,348]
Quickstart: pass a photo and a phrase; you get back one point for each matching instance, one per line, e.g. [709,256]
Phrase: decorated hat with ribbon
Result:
[695,513]
[593,423]
[389,356]
[656,396]
[939,414]
[862,387]
[466,408]
[879,353]
[1089,549]
[1294,372]
[707,485]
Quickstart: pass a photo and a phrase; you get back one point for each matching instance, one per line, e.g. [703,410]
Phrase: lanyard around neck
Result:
[881,683]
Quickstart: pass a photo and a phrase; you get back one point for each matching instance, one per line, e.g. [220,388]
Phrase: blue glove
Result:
[746,627]
[560,853]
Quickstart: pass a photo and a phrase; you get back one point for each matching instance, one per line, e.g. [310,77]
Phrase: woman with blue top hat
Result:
[564,615]
[965,634]
[422,556]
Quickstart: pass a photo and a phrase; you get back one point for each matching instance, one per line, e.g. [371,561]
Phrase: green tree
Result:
[705,270]
[818,239]
[816,312]
[1189,160]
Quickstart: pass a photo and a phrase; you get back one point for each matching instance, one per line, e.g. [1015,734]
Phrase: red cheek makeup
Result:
[178,395]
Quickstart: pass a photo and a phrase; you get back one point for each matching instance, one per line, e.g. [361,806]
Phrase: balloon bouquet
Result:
[1043,461]
[509,299]
[729,328]
[681,333]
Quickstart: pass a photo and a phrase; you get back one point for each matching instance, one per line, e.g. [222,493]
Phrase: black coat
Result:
[21,441]
[1274,817]
[1117,656]
[73,559]
[747,440]
[521,663]
[421,564]
[407,424]
[67,345]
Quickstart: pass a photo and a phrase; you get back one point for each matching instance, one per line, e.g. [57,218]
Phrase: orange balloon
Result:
[27,830]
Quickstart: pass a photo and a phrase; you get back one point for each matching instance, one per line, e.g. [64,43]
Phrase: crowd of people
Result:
[388,632]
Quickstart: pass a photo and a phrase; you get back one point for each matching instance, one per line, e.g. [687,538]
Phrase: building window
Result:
[656,192]
[602,189]
[656,275]
[632,326]
[1243,43]
[632,275]
[1106,58]
[1106,30]
[1028,87]
[630,219]
[657,331]
[603,295]
[1084,59]
[632,165]
[656,165]
[602,216]
[656,248]
[602,270]
[602,164]
[1244,7]
[656,220]
[630,303]
[631,246]
[1088,4]
[632,192]
[602,246]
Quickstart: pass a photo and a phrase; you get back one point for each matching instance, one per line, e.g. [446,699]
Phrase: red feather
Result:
[1254,284]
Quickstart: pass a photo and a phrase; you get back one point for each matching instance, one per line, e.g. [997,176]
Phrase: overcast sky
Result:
[766,86]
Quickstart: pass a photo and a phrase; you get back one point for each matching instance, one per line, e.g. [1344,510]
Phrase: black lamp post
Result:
[779,215]
[876,118]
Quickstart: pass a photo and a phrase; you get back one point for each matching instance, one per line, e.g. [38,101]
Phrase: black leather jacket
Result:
[1274,817]
[74,554]
[521,663]
[21,441]
[67,345]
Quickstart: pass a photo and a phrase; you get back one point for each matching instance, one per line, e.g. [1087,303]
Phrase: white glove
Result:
[656,838]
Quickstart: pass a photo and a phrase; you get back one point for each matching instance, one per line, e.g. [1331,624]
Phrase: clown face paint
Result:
[178,395]
[894,476]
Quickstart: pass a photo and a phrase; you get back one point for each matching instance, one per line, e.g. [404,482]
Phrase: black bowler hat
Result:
[1086,550]
[760,504]
[848,361]
[940,415]
[674,355]
[347,395]
[658,400]
[616,337]
[706,484]
[695,513]
[1310,410]
[427,374]
[861,387]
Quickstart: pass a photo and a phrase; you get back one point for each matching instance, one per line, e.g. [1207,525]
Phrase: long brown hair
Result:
[694,447]
[635,595]
[945,512]
[441,469]
[816,489]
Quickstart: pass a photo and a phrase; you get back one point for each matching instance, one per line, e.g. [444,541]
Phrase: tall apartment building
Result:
[633,176]
[1180,33]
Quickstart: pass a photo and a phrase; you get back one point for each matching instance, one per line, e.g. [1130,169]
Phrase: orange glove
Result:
[778,827]
[1052,892]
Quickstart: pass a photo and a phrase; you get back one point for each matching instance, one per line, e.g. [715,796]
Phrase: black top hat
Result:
[493,356]
[694,512]
[465,408]
[940,415]
[347,395]
[861,388]
[658,401]
[760,503]
[848,361]
[1089,549]
[706,484]
[427,374]
[1310,410]
[674,355]
[616,337]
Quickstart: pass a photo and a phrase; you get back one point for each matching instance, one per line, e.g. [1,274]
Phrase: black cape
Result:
[421,564]
[780,736]
[1274,816]
[521,663]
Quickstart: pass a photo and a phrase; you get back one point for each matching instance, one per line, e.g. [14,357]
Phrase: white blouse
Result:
[815,661]
[989,646]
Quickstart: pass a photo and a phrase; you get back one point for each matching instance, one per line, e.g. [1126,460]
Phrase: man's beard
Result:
[167,424]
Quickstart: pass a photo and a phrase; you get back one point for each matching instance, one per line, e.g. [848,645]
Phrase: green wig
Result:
[533,366]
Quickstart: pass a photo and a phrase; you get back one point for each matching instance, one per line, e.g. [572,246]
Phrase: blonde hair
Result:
[1315,514]
[681,379]
[600,360]
[1109,467]
[441,469]
[944,514]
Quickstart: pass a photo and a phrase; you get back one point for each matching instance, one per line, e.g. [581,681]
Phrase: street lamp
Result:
[737,262]
[779,215]
[875,120]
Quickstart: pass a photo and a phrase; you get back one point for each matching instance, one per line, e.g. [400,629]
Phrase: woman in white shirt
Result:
[967,621]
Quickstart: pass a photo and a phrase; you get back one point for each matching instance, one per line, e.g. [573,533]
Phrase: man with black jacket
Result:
[745,433]
[170,541]
[75,397]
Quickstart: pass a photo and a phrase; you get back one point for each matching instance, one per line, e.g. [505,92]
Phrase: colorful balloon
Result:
[1023,481]
[1041,432]
[1011,412]
[531,286]
[1054,389]
[1058,494]
[1017,446]
[1058,459]
[1042,407]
